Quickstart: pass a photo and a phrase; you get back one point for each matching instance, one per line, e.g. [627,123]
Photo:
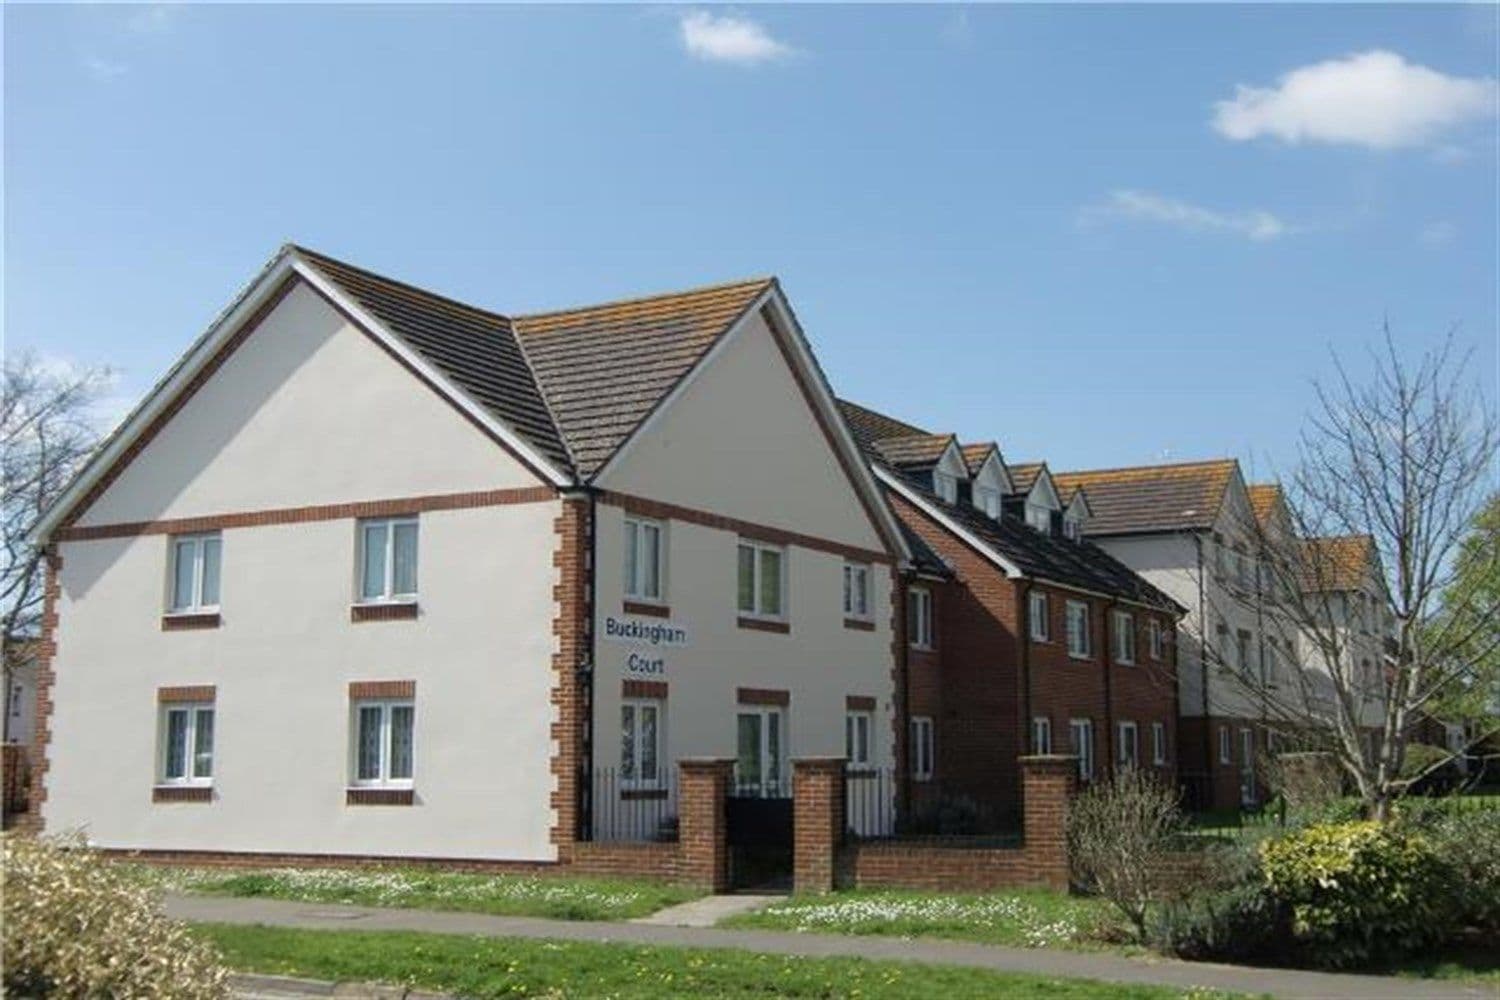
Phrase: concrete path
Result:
[258,987]
[708,911]
[1285,983]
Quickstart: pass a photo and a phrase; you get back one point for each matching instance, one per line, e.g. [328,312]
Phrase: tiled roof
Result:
[975,454]
[603,369]
[1340,562]
[1023,475]
[914,450]
[1263,499]
[867,426]
[1152,498]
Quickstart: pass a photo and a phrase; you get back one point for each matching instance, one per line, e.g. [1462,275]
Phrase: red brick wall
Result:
[817,821]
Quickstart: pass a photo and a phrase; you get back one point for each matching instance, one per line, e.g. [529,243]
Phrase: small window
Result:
[988,500]
[1082,733]
[640,743]
[383,751]
[762,581]
[1041,734]
[1273,663]
[1155,638]
[919,618]
[1124,637]
[1072,528]
[1158,743]
[1241,570]
[1226,746]
[1080,646]
[856,590]
[187,744]
[1036,615]
[388,559]
[921,747]
[858,728]
[945,486]
[643,559]
[1242,652]
[1039,517]
[195,572]
[1129,745]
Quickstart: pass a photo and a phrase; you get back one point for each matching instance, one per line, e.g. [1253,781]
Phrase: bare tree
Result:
[47,431]
[1119,834]
[1352,566]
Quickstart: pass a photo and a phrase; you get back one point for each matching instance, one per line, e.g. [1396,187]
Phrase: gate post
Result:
[702,850]
[1047,783]
[817,821]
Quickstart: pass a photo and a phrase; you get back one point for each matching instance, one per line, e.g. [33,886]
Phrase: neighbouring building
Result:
[373,572]
[1024,636]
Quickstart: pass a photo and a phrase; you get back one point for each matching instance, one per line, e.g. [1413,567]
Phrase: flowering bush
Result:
[1008,918]
[77,927]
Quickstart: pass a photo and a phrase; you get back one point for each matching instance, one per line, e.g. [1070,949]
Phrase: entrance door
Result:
[759,809]
[1247,767]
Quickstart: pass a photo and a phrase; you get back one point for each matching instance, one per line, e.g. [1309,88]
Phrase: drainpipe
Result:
[1106,656]
[584,673]
[903,580]
[1023,641]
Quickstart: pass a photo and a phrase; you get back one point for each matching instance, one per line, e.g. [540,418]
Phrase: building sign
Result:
[644,631]
[644,664]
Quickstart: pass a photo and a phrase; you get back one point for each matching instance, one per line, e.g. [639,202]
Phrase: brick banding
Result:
[643,689]
[404,611]
[859,624]
[182,793]
[763,696]
[859,703]
[762,625]
[651,610]
[382,689]
[193,692]
[197,620]
[379,797]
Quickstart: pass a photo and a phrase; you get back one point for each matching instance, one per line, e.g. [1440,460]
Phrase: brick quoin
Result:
[571,632]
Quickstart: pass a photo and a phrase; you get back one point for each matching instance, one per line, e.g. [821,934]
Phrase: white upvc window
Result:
[1158,743]
[1242,655]
[1128,745]
[987,500]
[921,747]
[1038,621]
[1082,733]
[857,591]
[1039,517]
[762,580]
[383,751]
[387,559]
[945,485]
[1273,663]
[1041,734]
[1123,637]
[195,572]
[1226,746]
[640,742]
[1155,638]
[1080,645]
[1072,528]
[643,562]
[187,744]
[859,729]
[919,618]
[760,768]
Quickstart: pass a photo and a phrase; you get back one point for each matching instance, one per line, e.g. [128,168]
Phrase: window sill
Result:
[860,624]
[392,611]
[1081,657]
[182,793]
[648,608]
[642,794]
[1041,640]
[1125,663]
[859,772]
[379,797]
[177,621]
[765,625]
[923,649]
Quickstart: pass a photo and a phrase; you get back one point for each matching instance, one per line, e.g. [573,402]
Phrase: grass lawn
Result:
[559,897]
[1032,918]
[507,967]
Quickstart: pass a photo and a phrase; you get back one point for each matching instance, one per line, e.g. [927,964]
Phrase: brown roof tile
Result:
[1023,475]
[975,455]
[1263,499]
[868,426]
[1149,498]
[913,450]
[1340,562]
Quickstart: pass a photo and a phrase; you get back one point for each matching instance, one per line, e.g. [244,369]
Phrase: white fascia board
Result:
[432,375]
[915,498]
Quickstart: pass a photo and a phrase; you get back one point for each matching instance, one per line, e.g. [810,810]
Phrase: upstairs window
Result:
[388,559]
[1124,637]
[1155,638]
[195,572]
[1036,616]
[762,582]
[856,590]
[919,618]
[945,485]
[1072,528]
[987,500]
[1039,517]
[1242,652]
[1080,645]
[187,744]
[1041,735]
[643,559]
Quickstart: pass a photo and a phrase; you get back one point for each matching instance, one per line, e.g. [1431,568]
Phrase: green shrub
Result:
[77,927]
[1229,914]
[1469,844]
[1357,890]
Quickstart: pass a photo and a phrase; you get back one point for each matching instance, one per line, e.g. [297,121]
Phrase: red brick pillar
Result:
[817,821]
[1047,783]
[702,849]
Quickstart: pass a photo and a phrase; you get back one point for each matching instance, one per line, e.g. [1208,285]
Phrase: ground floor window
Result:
[760,758]
[1041,734]
[1226,754]
[857,729]
[187,739]
[921,747]
[1082,732]
[640,742]
[383,742]
[1129,745]
[1247,767]
[1158,743]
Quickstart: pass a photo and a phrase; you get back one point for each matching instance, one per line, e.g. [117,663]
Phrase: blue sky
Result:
[1065,228]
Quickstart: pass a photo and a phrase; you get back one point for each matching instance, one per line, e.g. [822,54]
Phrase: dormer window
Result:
[987,500]
[945,485]
[1039,517]
[1072,528]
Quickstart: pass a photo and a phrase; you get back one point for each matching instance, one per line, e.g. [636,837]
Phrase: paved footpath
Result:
[1286,983]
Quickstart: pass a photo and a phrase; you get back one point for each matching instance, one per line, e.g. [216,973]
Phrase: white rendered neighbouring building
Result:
[375,573]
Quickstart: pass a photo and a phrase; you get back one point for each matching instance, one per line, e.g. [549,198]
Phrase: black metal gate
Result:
[759,835]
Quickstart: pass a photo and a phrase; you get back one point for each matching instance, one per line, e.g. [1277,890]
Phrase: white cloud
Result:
[1374,99]
[727,38]
[1143,206]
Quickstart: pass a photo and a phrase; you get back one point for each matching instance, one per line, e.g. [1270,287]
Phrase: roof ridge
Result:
[470,307]
[762,280]
[1163,466]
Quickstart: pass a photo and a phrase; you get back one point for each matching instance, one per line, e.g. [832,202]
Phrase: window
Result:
[987,500]
[643,559]
[1036,614]
[1039,517]
[187,744]
[388,559]
[1079,646]
[1041,734]
[1158,743]
[919,618]
[857,729]
[1128,745]
[921,747]
[640,743]
[945,485]
[1124,637]
[1242,652]
[383,742]
[195,572]
[1082,732]
[1241,570]
[1273,663]
[760,757]
[1155,638]
[1072,528]
[856,590]
[1225,746]
[762,583]
[1247,767]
